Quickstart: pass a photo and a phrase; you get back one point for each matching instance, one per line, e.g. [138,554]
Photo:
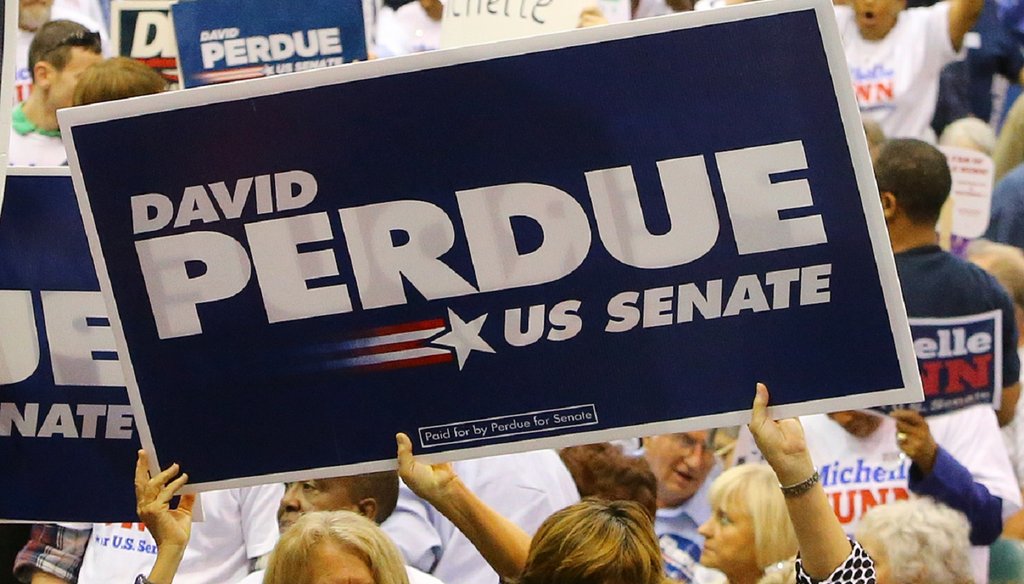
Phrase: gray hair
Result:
[1004,262]
[925,541]
[969,133]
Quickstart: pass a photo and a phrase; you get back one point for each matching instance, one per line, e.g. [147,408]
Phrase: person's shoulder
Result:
[1012,182]
[913,20]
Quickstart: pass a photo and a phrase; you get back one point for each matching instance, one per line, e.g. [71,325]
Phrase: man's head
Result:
[681,463]
[859,424]
[60,52]
[373,496]
[875,18]
[33,14]
[913,180]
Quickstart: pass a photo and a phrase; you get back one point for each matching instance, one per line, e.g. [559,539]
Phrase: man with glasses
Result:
[684,464]
[60,52]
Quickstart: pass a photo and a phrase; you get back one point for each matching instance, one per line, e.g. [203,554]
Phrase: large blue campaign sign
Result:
[66,427]
[561,239]
[218,42]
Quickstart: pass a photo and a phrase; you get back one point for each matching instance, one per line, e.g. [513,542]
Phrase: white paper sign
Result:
[474,22]
[971,194]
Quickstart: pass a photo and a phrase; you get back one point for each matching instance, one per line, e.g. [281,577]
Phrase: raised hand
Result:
[781,442]
[169,527]
[432,482]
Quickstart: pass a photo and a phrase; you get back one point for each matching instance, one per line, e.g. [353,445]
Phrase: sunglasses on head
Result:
[82,38]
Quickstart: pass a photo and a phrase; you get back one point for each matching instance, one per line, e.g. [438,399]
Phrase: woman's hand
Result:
[432,482]
[781,442]
[169,527]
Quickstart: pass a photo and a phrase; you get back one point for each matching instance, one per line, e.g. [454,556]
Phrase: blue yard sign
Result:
[961,361]
[219,42]
[555,240]
[65,420]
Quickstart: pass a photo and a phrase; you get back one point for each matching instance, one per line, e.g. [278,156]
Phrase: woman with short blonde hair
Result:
[336,542]
[748,507]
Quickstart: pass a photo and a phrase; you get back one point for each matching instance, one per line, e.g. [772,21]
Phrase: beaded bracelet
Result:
[801,487]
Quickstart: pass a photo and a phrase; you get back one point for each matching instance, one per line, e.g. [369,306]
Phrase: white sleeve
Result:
[390,38]
[972,437]
[412,529]
[258,507]
[934,21]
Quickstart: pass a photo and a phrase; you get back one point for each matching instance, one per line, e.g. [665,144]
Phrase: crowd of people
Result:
[855,496]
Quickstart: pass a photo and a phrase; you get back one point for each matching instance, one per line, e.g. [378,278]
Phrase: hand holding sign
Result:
[430,481]
[170,527]
[781,442]
[501,542]
[915,439]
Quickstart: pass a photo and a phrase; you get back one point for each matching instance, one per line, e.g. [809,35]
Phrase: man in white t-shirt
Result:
[239,526]
[895,58]
[862,465]
[60,52]
[373,496]
[526,488]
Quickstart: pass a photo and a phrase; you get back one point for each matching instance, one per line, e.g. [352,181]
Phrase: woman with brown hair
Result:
[591,542]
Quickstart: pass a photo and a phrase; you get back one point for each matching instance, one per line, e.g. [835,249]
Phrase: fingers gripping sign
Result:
[169,527]
[782,441]
[429,481]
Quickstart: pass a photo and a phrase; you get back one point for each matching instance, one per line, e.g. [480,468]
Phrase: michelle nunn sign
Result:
[961,362]
[561,239]
[65,420]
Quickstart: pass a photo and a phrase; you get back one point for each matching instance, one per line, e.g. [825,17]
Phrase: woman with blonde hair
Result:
[749,537]
[335,546]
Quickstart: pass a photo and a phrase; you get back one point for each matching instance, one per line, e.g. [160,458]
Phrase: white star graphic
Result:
[464,337]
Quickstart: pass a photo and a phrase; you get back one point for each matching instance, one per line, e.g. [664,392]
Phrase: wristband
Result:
[801,487]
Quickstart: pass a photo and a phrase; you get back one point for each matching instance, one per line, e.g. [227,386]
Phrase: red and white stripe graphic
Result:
[237,74]
[395,347]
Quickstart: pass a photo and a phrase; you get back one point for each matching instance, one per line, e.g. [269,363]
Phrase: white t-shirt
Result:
[526,488]
[34,149]
[22,76]
[858,473]
[406,30]
[239,525]
[415,577]
[896,79]
[1013,433]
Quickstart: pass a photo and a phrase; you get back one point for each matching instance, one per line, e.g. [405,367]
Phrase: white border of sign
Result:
[910,392]
[7,64]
